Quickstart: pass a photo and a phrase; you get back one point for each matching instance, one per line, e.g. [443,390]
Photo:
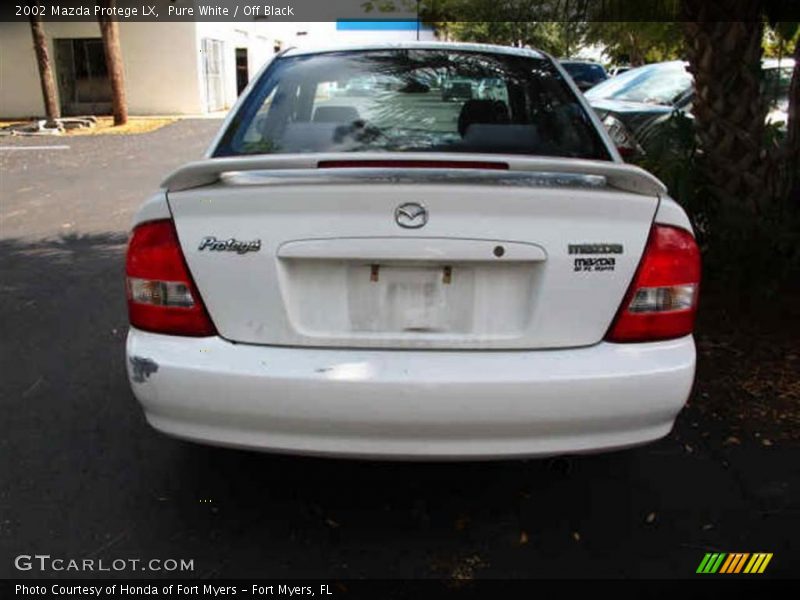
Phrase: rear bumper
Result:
[410,404]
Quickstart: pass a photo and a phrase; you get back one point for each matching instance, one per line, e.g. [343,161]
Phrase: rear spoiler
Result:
[299,168]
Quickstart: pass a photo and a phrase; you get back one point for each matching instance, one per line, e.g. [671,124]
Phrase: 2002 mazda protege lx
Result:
[389,273]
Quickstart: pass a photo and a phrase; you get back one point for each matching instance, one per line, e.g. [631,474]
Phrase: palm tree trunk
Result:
[51,108]
[725,58]
[109,29]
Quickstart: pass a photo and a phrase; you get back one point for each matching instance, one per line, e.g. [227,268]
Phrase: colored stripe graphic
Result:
[758,563]
[703,563]
[765,563]
[734,563]
[732,558]
[741,562]
[720,562]
[717,563]
[711,562]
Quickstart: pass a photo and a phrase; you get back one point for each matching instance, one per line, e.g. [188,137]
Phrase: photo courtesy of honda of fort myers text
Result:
[174,590]
[394,299]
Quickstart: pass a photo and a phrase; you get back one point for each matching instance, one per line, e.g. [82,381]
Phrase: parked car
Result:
[619,70]
[637,101]
[426,281]
[459,88]
[492,88]
[361,86]
[585,74]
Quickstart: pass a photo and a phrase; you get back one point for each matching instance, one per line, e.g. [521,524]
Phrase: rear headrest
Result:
[336,114]
[314,137]
[489,112]
[508,138]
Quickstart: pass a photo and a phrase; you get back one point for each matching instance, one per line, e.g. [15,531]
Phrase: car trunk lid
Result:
[538,256]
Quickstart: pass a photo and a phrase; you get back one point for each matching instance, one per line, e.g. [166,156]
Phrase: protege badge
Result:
[232,245]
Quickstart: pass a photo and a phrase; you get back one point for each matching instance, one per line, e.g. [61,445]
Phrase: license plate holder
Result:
[410,299]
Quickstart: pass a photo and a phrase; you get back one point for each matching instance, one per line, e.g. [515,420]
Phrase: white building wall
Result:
[161,68]
[20,91]
[159,61]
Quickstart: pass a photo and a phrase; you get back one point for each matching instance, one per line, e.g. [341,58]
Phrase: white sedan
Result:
[394,275]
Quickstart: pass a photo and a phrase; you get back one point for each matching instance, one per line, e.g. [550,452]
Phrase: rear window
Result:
[414,101]
[586,72]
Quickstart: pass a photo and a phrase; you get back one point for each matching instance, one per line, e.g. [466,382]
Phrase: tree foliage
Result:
[724,57]
[780,39]
[558,38]
[637,43]
[738,177]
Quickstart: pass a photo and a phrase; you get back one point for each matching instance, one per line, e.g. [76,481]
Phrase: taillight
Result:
[161,294]
[661,303]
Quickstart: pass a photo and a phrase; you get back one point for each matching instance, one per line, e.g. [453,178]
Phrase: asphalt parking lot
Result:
[83,476]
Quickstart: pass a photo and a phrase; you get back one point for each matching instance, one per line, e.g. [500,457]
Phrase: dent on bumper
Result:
[410,404]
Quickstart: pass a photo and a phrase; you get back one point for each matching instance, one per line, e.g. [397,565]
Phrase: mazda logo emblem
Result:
[411,215]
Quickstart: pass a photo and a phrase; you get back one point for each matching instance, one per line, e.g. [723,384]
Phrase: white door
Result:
[214,73]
